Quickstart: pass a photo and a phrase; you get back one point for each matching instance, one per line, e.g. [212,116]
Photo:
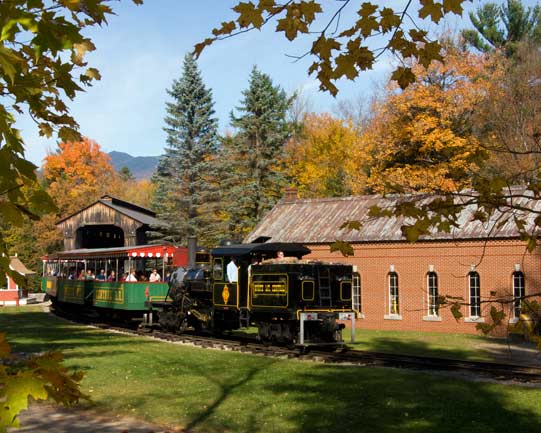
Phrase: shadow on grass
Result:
[274,396]
[212,392]
[422,348]
[33,331]
[383,400]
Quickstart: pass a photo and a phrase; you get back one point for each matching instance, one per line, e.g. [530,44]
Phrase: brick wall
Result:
[10,294]
[495,261]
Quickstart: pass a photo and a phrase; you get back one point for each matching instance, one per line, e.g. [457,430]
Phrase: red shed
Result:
[10,292]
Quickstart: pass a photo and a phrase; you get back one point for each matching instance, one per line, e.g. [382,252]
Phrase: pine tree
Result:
[253,174]
[182,181]
[503,26]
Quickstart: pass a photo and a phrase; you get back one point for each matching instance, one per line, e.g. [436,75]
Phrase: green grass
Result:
[211,391]
[455,346]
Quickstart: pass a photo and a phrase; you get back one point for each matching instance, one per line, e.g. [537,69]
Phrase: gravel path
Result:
[43,418]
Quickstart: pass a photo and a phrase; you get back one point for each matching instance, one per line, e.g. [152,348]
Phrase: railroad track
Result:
[472,369]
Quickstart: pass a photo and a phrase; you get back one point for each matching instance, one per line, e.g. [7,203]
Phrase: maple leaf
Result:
[198,48]
[429,52]
[16,390]
[344,248]
[403,76]
[454,6]
[268,6]
[432,9]
[291,27]
[345,66]
[249,15]
[309,9]
[324,46]
[389,19]
[226,28]
[368,23]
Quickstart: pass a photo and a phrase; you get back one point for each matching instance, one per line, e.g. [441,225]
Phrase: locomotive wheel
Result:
[183,326]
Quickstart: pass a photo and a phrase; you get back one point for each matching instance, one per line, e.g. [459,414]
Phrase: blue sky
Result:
[140,53]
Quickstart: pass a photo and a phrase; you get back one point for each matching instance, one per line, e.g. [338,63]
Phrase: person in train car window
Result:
[101,276]
[154,276]
[82,275]
[131,278]
[280,255]
[124,277]
[232,271]
[89,275]
[167,277]
[112,276]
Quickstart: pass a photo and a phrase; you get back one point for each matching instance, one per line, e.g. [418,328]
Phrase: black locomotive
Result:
[290,300]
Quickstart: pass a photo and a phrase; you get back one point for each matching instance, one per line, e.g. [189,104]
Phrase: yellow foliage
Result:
[327,158]
[422,139]
[40,377]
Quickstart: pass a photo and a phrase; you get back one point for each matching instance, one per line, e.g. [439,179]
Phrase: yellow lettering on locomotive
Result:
[269,288]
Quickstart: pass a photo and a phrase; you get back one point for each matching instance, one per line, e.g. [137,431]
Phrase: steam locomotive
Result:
[290,300]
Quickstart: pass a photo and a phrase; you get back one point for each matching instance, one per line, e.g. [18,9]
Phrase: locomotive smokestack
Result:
[192,249]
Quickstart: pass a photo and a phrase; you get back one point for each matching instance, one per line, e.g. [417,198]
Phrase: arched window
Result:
[519,291]
[394,307]
[432,284]
[475,294]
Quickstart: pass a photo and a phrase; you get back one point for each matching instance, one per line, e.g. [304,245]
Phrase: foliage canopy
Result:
[341,34]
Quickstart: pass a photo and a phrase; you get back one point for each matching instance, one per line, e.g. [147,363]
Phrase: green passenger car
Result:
[70,278]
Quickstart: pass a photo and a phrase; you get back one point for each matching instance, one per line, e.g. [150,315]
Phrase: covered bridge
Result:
[107,223]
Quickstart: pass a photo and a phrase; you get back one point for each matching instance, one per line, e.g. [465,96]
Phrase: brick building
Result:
[401,281]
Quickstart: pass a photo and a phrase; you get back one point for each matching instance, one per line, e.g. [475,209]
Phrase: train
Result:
[269,286]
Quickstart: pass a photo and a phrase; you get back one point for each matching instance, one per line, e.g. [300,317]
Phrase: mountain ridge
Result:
[141,167]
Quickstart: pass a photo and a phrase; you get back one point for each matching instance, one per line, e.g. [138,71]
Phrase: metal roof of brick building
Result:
[315,221]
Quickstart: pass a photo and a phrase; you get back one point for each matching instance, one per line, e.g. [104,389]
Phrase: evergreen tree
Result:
[183,177]
[253,176]
[503,26]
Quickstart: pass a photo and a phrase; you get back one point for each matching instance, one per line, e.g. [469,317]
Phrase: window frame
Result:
[474,283]
[305,283]
[215,261]
[521,290]
[394,309]
[432,285]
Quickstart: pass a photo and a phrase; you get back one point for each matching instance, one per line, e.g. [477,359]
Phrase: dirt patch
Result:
[44,418]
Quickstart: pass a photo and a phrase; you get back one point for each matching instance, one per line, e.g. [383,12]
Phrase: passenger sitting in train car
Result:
[101,276]
[82,275]
[89,275]
[112,276]
[154,276]
[131,278]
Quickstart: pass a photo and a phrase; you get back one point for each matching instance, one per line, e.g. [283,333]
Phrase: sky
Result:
[139,54]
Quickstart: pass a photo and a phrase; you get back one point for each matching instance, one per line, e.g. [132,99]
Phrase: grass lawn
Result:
[211,391]
[455,346]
